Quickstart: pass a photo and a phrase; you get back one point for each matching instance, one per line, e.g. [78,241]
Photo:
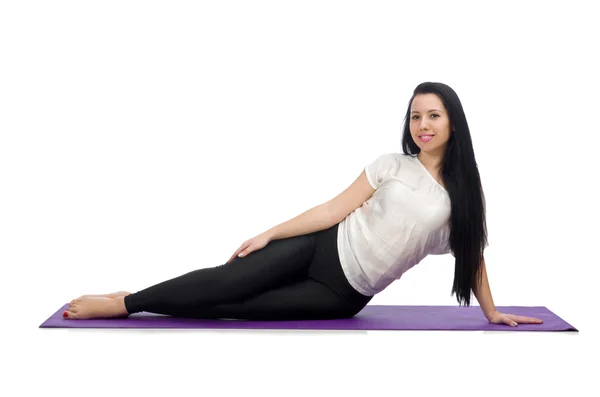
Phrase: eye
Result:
[415,117]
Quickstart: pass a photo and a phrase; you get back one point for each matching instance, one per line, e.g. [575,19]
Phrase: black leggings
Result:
[289,279]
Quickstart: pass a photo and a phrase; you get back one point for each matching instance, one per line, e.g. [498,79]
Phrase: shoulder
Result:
[390,162]
[392,157]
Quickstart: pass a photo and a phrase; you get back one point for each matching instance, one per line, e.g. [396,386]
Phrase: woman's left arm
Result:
[484,296]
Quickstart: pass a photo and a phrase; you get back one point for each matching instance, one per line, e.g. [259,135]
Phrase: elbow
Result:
[332,216]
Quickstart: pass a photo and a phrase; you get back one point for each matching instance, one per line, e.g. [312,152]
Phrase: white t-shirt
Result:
[406,219]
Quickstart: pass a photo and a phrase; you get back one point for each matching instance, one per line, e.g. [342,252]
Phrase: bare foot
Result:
[112,295]
[96,307]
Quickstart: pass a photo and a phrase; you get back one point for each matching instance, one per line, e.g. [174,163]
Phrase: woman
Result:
[331,260]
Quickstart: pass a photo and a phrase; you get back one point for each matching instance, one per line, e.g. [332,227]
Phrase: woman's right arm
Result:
[325,215]
[315,219]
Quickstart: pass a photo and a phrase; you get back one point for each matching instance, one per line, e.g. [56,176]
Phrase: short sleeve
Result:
[381,168]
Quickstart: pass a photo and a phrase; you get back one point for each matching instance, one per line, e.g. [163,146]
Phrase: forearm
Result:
[315,219]
[483,293]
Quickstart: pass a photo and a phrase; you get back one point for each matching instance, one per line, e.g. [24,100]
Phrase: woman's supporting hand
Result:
[511,319]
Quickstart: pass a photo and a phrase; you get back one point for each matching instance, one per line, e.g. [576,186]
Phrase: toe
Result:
[74,310]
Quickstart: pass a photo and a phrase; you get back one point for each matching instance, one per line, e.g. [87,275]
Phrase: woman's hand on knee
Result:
[248,246]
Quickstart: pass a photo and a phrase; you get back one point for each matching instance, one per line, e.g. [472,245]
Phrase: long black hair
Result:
[459,172]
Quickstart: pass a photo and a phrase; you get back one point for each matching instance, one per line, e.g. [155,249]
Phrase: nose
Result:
[423,124]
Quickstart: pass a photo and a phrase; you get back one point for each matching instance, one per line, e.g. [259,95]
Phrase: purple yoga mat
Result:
[372,317]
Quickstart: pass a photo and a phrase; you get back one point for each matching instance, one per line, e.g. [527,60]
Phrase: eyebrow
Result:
[432,110]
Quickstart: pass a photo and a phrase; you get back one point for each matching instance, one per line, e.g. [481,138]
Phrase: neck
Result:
[430,160]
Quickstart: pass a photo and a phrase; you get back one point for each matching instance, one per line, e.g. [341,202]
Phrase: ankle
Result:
[120,304]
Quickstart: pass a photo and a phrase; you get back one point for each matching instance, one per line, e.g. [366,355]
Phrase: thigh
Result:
[280,262]
[302,300]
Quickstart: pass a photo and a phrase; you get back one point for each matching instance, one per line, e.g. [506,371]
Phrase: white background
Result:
[141,140]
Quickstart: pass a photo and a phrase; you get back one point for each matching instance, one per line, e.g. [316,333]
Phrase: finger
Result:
[238,251]
[508,321]
[235,254]
[232,256]
[528,320]
[525,319]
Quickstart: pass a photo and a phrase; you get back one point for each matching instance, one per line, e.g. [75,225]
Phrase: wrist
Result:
[490,314]
[269,235]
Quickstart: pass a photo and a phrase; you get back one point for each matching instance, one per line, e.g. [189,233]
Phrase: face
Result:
[429,124]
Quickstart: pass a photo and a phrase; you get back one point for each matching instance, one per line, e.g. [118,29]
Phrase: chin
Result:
[430,149]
